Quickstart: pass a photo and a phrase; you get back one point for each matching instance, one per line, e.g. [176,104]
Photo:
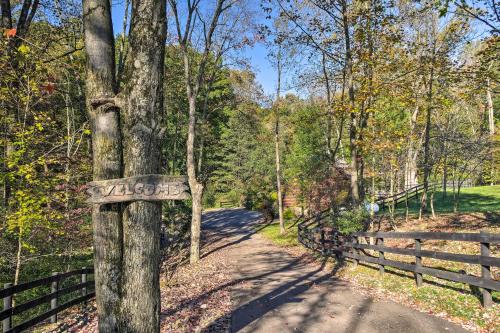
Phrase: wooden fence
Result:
[85,287]
[226,204]
[314,235]
[395,199]
[385,201]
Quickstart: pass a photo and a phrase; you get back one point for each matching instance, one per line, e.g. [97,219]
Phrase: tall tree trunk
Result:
[192,89]
[277,145]
[412,154]
[427,166]
[197,194]
[353,122]
[491,113]
[142,119]
[121,51]
[194,184]
[491,127]
[126,236]
[107,159]
[278,177]
[18,257]
[445,175]
[329,113]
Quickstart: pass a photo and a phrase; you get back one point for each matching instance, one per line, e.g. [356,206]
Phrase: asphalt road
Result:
[278,292]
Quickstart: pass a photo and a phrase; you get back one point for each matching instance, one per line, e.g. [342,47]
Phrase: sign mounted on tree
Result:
[145,187]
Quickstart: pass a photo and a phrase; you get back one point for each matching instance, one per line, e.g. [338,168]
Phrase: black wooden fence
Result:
[398,198]
[84,287]
[315,235]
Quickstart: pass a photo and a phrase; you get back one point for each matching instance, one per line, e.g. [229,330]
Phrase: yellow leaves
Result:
[24,49]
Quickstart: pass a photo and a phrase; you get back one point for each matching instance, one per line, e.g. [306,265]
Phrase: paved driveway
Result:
[278,292]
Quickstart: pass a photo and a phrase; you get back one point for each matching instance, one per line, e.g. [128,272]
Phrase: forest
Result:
[367,99]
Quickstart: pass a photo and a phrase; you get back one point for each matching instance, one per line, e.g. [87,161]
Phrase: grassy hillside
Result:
[484,199]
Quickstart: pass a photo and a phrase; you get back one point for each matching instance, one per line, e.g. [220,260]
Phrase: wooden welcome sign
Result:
[145,187]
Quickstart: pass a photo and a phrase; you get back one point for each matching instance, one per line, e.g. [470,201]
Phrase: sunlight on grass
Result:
[272,232]
[472,199]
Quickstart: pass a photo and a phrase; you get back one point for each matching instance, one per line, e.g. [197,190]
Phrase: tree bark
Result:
[195,186]
[355,197]
[277,144]
[18,258]
[142,119]
[122,51]
[107,159]
[491,127]
[412,154]
[192,89]
[329,118]
[427,166]
[126,236]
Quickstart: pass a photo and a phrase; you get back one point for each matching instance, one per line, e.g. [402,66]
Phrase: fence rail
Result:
[319,237]
[226,204]
[395,199]
[55,281]
[384,201]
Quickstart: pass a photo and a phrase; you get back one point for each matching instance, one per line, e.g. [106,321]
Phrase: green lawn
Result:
[272,232]
[472,200]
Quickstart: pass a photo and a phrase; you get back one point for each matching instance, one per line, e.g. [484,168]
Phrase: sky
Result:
[257,55]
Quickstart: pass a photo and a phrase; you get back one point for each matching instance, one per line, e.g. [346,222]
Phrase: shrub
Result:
[209,199]
[350,221]
[288,214]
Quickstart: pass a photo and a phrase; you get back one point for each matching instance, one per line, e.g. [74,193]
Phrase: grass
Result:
[472,200]
[453,300]
[272,232]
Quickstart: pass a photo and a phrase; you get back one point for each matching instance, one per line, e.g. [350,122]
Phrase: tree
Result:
[215,41]
[126,137]
[278,55]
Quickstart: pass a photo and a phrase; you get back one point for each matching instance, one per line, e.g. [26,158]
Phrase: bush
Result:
[350,221]
[176,225]
[288,214]
[209,199]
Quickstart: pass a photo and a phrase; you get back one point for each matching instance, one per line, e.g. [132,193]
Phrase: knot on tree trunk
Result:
[106,102]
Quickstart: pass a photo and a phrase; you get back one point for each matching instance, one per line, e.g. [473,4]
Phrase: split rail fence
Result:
[316,235]
[226,204]
[84,288]
[406,195]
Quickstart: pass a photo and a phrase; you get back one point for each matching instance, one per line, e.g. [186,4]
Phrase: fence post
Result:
[355,250]
[418,263]
[322,240]
[53,301]
[486,272]
[84,280]
[7,304]
[381,268]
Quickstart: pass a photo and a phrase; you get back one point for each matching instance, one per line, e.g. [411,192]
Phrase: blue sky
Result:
[257,55]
